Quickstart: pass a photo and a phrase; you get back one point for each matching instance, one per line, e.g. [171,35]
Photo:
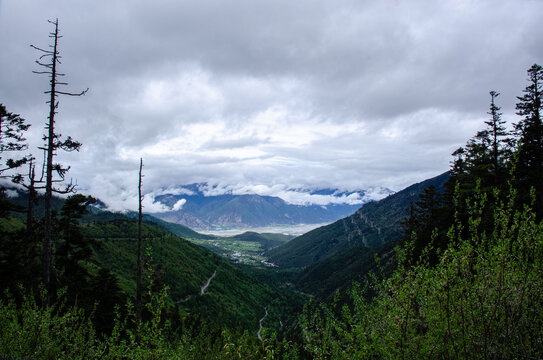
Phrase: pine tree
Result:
[501,143]
[529,162]
[105,291]
[73,248]
[17,254]
[12,128]
[485,157]
[426,217]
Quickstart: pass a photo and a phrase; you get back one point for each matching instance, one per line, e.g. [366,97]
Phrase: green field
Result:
[247,248]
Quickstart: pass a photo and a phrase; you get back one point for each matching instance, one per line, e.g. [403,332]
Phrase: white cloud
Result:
[278,93]
[10,193]
[179,205]
[295,196]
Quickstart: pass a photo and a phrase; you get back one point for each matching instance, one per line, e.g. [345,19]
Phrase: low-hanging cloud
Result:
[179,205]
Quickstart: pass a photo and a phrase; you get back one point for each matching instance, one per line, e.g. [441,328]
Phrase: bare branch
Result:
[70,188]
[42,64]
[45,51]
[72,94]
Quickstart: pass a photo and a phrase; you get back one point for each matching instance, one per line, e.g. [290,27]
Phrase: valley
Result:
[292,230]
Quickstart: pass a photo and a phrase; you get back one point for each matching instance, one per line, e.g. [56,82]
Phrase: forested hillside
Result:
[233,297]
[338,272]
[374,224]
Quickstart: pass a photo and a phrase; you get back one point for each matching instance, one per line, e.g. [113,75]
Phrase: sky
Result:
[267,96]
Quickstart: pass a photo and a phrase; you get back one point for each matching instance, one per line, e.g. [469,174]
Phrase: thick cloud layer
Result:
[275,93]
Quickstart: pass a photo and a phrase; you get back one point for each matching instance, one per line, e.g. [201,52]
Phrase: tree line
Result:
[493,162]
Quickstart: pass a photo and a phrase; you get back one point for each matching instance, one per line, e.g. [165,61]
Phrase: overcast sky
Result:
[267,95]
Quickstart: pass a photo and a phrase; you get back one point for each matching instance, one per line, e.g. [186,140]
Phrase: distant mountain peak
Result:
[207,206]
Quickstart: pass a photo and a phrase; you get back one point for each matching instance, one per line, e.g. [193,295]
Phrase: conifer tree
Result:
[485,157]
[501,143]
[73,249]
[425,218]
[12,128]
[54,142]
[529,162]
[16,254]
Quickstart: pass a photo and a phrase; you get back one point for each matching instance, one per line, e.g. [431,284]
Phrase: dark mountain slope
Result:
[374,224]
[338,271]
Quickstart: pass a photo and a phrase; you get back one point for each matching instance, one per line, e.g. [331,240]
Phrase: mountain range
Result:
[201,211]
[374,224]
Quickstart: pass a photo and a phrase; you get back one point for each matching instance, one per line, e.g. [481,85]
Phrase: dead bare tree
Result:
[49,60]
[140,240]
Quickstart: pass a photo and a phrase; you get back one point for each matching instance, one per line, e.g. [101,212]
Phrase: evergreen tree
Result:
[73,248]
[17,254]
[485,157]
[12,128]
[424,224]
[529,162]
[482,165]
[500,141]
[98,293]
[106,293]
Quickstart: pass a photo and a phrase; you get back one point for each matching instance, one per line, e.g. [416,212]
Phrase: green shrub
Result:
[484,299]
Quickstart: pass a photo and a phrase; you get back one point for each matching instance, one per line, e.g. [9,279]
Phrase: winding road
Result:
[204,287]
[260,329]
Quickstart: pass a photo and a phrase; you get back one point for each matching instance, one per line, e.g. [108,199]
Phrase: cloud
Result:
[276,94]
[295,196]
[179,205]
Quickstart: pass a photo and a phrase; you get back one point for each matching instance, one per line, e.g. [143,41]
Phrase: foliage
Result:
[30,331]
[12,128]
[482,300]
[528,171]
[56,332]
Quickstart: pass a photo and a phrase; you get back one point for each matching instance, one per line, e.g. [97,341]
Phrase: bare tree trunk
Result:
[31,198]
[140,264]
[49,173]
[53,143]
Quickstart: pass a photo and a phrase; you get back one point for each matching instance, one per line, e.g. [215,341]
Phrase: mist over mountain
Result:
[201,206]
